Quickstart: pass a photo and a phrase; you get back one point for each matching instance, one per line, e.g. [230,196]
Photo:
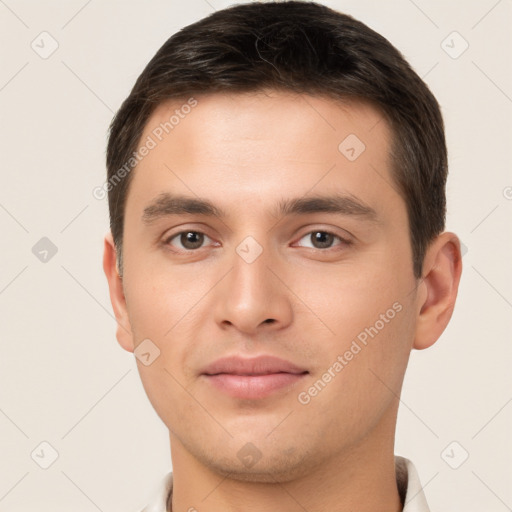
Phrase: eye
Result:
[322,240]
[187,240]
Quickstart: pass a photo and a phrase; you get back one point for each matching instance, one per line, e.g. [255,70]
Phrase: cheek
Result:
[366,314]
[360,376]
[351,297]
[167,307]
[160,297]
[162,311]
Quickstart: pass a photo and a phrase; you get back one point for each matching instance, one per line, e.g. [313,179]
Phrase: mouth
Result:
[252,378]
[253,386]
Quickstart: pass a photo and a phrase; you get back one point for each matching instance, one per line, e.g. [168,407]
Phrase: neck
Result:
[362,478]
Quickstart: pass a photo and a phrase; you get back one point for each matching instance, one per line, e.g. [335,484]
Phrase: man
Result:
[276,190]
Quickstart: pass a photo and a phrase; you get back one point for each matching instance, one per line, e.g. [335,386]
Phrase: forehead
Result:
[227,146]
[267,111]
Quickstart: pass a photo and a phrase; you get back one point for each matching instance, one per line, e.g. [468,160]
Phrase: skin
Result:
[245,153]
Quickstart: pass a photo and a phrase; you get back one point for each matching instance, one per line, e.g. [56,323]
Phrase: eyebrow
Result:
[167,204]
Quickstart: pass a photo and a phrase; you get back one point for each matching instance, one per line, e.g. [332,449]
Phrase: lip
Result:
[252,378]
[260,365]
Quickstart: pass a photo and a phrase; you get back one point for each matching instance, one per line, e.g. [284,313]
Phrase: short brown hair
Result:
[302,47]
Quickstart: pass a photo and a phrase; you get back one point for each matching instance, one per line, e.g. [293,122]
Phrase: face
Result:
[299,250]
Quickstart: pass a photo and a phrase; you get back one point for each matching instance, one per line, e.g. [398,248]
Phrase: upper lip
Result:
[261,365]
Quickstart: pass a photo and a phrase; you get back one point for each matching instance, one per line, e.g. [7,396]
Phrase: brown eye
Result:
[321,239]
[188,240]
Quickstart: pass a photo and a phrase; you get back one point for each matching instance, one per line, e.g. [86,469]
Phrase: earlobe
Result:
[442,270]
[116,291]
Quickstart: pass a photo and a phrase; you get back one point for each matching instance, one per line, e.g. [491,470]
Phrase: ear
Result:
[115,284]
[442,268]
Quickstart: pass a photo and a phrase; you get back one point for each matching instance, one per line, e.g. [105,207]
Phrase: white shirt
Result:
[407,479]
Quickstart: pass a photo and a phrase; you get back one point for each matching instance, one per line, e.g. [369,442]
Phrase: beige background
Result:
[64,379]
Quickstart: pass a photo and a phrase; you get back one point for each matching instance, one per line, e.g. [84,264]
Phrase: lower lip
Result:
[253,386]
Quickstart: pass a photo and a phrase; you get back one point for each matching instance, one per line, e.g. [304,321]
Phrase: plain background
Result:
[63,377]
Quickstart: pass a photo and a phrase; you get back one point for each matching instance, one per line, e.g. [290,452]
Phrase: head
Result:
[306,160]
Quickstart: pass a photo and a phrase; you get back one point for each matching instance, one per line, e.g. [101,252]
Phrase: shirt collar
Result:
[407,476]
[408,481]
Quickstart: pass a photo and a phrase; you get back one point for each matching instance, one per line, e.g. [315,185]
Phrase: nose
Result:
[252,298]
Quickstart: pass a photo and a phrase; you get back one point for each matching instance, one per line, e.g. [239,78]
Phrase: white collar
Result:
[407,476]
[408,481]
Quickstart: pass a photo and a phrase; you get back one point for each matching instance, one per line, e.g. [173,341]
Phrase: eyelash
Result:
[343,241]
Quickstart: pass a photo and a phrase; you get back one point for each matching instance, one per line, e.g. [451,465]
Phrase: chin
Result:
[276,468]
[262,475]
